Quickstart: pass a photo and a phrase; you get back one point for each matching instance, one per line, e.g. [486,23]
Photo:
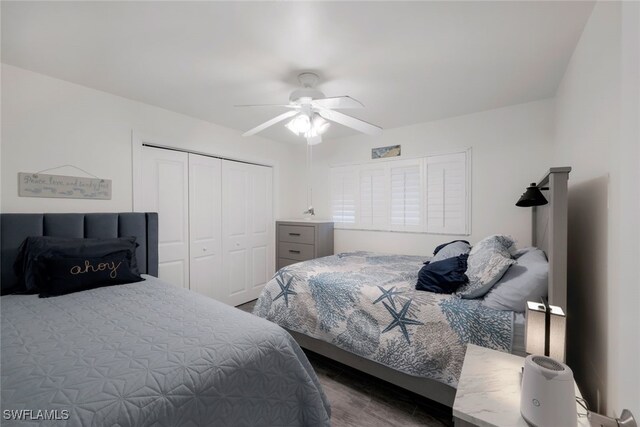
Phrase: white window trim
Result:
[388,164]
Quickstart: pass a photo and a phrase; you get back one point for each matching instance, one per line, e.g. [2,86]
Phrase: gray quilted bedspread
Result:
[149,353]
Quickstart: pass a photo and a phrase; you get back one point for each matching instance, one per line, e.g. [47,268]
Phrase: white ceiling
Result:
[407,62]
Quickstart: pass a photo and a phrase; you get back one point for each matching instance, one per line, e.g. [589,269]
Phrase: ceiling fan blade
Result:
[271,122]
[337,102]
[351,122]
[269,105]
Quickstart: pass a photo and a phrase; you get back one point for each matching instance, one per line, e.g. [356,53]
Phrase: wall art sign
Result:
[384,152]
[62,186]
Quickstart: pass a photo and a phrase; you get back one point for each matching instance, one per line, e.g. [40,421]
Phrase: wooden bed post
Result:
[550,232]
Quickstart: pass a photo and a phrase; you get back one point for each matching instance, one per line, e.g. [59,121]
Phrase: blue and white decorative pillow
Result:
[450,250]
[488,260]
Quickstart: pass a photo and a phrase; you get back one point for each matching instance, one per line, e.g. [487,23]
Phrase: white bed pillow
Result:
[525,281]
[488,260]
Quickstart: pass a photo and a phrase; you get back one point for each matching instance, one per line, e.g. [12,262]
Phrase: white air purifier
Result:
[548,395]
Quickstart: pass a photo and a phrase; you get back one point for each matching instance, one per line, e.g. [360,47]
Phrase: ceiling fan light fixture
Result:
[291,127]
[320,125]
[310,112]
[300,124]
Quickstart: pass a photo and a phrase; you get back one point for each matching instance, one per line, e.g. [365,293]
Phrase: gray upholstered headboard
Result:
[15,227]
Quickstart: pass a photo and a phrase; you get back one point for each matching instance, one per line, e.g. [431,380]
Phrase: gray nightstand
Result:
[488,393]
[302,240]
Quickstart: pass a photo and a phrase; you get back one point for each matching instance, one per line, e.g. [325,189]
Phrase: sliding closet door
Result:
[165,189]
[247,230]
[205,224]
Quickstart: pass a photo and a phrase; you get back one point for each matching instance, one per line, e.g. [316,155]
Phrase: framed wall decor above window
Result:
[430,194]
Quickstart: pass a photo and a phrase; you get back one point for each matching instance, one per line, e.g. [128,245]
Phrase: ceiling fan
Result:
[311,112]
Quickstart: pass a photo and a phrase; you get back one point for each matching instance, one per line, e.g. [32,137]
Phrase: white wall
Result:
[48,122]
[511,148]
[597,133]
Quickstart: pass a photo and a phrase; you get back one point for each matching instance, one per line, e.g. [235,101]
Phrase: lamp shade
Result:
[532,197]
[539,335]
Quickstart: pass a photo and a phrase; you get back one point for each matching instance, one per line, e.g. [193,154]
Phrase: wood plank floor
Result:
[358,399]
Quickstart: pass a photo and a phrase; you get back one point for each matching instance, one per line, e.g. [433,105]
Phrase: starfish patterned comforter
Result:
[149,353]
[366,303]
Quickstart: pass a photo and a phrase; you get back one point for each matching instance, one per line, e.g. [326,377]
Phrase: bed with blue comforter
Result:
[367,304]
[149,353]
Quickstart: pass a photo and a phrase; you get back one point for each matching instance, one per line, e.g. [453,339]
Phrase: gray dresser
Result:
[302,240]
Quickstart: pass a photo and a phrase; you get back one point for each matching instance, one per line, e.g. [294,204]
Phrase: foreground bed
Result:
[148,353]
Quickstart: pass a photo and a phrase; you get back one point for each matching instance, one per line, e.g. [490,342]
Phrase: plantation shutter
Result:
[446,193]
[343,194]
[374,193]
[406,196]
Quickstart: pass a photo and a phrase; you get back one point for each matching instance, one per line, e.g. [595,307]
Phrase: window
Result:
[343,191]
[406,196]
[373,203]
[430,194]
[446,189]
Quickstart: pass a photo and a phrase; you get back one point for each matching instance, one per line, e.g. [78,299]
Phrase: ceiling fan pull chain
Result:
[309,166]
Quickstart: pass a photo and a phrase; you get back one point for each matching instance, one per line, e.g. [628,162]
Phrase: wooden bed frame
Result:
[549,233]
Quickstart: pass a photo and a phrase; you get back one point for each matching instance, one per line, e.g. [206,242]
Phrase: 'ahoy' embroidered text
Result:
[88,268]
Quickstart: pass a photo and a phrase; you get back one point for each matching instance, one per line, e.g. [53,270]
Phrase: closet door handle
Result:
[294,234]
[294,252]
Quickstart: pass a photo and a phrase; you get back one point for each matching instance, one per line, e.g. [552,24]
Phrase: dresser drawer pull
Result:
[294,252]
[294,234]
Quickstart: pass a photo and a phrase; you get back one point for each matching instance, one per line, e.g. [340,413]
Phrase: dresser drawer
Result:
[283,262]
[296,234]
[295,251]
